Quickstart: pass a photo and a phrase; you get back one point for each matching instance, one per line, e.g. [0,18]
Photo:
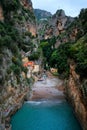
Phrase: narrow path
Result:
[51,88]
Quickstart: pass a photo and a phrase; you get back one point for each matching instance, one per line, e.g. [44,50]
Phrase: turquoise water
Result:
[45,115]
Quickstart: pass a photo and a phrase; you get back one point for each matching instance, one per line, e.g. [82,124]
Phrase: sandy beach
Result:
[51,88]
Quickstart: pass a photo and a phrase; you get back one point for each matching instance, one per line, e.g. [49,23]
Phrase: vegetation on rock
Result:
[76,50]
[14,38]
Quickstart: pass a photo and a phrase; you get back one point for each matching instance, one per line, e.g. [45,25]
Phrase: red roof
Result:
[30,63]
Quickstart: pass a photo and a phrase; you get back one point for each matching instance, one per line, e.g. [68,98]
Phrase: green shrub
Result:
[78,52]
[24,69]
[34,56]
[16,69]
[9,70]
[10,5]
[17,61]
[28,34]
[83,19]
[14,49]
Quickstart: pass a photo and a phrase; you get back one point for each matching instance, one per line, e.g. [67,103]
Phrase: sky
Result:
[71,7]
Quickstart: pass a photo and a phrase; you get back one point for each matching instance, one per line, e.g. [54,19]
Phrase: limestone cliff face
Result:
[73,34]
[26,14]
[42,14]
[14,87]
[59,20]
[74,95]
[57,26]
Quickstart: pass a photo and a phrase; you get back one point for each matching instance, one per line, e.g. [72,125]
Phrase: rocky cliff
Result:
[63,40]
[17,36]
[55,26]
[76,96]
[25,19]
[42,14]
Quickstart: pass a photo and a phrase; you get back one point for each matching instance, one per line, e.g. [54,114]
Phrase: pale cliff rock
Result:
[11,98]
[30,23]
[42,14]
[33,30]
[55,26]
[26,14]
[74,95]
[14,89]
[73,34]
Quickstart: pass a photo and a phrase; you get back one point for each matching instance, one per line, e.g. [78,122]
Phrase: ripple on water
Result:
[45,115]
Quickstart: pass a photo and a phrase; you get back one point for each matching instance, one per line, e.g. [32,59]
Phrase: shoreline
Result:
[49,91]
[42,91]
[6,121]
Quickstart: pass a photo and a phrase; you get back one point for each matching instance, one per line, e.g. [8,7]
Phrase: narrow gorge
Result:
[43,68]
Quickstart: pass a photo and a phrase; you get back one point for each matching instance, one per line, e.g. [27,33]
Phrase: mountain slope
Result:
[55,25]
[42,14]
[67,52]
[17,35]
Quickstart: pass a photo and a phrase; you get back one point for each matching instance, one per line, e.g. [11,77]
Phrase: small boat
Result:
[41,79]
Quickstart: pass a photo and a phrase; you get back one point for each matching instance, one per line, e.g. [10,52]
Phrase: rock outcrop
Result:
[11,99]
[56,26]
[18,35]
[74,95]
[27,4]
[26,20]
[42,14]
